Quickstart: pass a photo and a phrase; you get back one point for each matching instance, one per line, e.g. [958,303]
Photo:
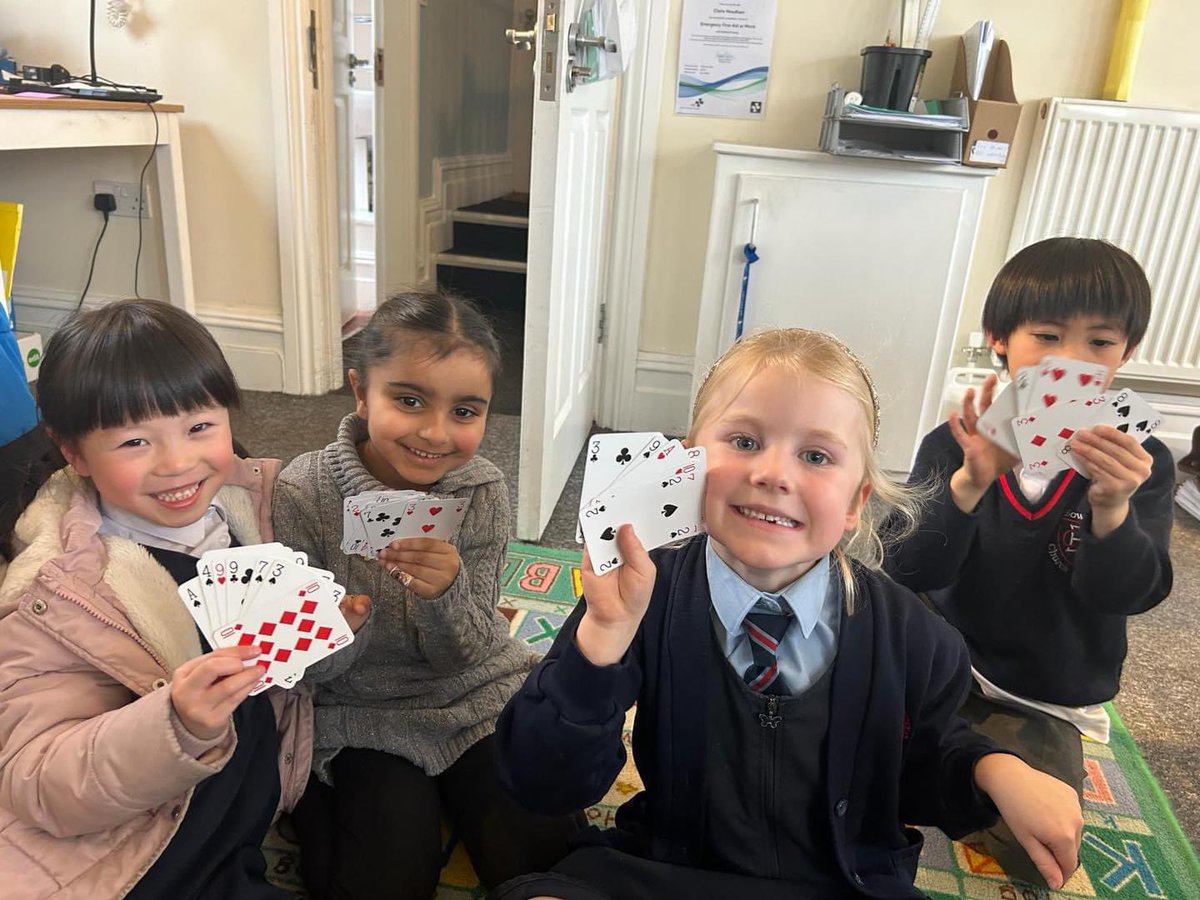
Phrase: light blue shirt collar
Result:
[732,597]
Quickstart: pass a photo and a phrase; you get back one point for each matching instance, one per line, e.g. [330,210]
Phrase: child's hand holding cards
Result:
[611,457]
[1036,417]
[661,494]
[372,520]
[268,595]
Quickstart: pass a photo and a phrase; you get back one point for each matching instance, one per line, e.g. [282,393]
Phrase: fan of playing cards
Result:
[654,484]
[268,595]
[1037,415]
[373,519]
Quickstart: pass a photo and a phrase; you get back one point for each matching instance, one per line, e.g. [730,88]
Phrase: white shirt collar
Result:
[209,532]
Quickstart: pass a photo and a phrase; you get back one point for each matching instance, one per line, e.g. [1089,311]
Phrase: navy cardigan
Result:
[898,753]
[1041,601]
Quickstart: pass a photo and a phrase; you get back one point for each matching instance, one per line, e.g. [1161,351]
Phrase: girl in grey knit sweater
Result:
[404,717]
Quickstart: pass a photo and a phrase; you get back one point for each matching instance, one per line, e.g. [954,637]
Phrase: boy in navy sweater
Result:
[797,711]
[1039,575]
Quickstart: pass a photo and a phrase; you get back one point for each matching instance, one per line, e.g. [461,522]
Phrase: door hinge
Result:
[312,46]
[602,324]
[379,67]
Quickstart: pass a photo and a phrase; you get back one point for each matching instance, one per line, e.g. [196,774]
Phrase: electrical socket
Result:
[126,194]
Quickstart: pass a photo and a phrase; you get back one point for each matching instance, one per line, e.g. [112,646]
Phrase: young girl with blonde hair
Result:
[797,710]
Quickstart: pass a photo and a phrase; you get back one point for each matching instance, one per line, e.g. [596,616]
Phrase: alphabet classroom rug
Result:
[1132,846]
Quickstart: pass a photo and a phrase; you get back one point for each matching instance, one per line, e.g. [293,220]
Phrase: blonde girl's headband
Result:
[862,369]
[866,374]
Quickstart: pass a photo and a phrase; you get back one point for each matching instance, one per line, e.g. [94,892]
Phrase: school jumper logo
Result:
[1066,539]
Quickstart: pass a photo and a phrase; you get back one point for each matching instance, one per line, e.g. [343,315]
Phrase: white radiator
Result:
[1129,175]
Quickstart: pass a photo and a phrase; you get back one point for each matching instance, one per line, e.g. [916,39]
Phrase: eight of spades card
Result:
[1125,411]
[663,501]
[1038,415]
[1041,435]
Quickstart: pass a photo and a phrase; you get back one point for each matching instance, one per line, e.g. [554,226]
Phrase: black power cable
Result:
[106,207]
[96,80]
[137,262]
[92,41]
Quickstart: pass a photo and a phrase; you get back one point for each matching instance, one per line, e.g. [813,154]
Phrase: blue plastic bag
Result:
[18,413]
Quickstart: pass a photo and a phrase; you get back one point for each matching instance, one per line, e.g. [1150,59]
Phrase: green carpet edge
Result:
[572,556]
[1166,812]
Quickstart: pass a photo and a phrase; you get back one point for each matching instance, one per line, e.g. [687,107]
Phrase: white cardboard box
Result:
[30,345]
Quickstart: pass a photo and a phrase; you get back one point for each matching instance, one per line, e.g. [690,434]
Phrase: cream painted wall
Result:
[212,58]
[1058,49]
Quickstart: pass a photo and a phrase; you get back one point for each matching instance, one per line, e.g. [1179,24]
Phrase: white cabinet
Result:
[874,251]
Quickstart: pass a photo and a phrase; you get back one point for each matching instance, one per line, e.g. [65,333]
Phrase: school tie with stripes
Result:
[765,630]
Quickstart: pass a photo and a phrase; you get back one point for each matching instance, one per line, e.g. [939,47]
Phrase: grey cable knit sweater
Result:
[424,679]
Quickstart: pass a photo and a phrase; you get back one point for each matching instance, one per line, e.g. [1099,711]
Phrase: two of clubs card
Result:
[373,519]
[267,594]
[654,484]
[1036,416]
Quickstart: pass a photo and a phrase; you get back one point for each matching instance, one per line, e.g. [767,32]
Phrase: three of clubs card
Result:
[373,519]
[1036,416]
[268,595]
[643,479]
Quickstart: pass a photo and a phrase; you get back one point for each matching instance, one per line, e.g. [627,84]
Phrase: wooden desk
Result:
[62,123]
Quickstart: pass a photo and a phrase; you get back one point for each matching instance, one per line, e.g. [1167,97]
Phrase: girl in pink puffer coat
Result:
[132,761]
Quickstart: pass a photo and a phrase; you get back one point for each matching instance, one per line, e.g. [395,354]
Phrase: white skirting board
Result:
[251,342]
[662,394]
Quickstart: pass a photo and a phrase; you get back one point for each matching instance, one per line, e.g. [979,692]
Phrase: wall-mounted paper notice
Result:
[725,57]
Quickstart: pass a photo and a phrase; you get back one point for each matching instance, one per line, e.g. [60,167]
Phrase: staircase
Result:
[487,264]
[487,260]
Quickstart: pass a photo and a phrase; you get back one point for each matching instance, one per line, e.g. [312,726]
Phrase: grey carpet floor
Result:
[1160,688]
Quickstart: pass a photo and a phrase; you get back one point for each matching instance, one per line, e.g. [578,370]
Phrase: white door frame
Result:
[306,198]
[637,137]
[398,32]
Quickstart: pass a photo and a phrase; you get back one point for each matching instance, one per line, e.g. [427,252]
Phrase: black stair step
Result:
[514,205]
[491,240]
[499,259]
[504,290]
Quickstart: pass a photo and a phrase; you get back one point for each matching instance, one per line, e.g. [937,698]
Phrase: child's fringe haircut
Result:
[893,510]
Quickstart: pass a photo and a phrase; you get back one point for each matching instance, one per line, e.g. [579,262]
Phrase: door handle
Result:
[521,39]
[579,42]
[355,62]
